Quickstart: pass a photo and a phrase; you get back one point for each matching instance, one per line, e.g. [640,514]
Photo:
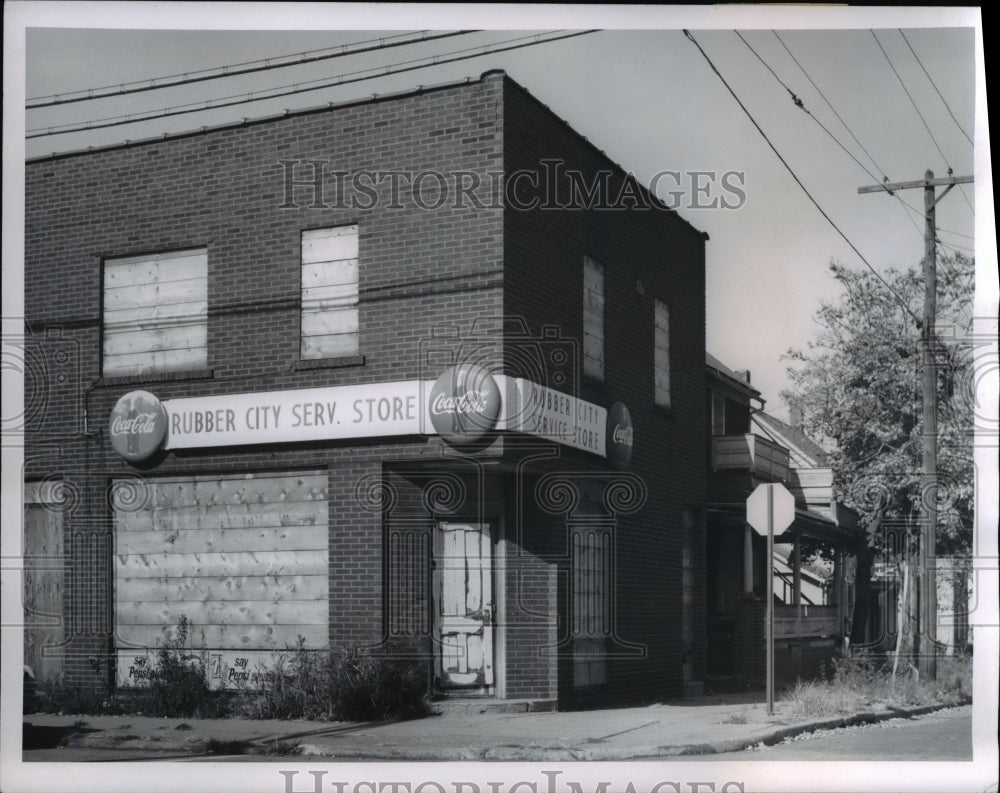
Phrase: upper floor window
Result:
[593,319]
[156,313]
[330,292]
[661,354]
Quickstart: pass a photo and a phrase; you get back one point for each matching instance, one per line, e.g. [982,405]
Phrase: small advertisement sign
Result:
[224,669]
[138,426]
[620,436]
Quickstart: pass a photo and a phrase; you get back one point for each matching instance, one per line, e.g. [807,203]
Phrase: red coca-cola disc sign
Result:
[619,436]
[138,425]
[464,403]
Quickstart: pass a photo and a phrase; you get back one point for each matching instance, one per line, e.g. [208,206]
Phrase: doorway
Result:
[464,609]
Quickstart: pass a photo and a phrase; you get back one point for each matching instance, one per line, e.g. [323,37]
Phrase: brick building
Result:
[421,373]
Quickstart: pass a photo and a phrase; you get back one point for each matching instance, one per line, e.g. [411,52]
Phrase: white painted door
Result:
[464,606]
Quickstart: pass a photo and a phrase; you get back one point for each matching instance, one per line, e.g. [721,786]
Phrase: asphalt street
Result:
[945,735]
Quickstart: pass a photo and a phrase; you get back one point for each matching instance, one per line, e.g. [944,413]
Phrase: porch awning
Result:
[808,525]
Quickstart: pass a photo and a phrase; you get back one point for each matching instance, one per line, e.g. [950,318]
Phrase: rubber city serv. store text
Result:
[471,435]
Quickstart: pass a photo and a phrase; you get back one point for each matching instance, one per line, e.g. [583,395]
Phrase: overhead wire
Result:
[961,189]
[234,70]
[931,80]
[912,101]
[296,88]
[829,104]
[798,181]
[922,119]
[799,103]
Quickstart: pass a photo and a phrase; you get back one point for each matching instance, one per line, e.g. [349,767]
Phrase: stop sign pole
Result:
[770,508]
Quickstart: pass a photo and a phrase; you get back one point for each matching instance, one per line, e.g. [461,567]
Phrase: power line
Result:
[912,102]
[801,105]
[274,93]
[233,70]
[931,79]
[922,119]
[798,181]
[829,104]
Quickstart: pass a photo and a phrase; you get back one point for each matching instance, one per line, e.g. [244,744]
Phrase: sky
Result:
[639,90]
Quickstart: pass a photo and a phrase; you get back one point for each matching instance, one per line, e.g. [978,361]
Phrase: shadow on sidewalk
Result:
[35,737]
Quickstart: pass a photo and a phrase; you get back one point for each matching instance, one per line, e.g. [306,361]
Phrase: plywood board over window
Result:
[243,558]
[44,629]
[593,319]
[156,313]
[330,292]
[661,354]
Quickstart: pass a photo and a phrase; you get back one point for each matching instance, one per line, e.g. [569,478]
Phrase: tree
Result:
[857,387]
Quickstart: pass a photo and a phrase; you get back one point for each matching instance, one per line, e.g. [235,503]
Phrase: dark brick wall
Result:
[225,190]
[429,278]
[647,254]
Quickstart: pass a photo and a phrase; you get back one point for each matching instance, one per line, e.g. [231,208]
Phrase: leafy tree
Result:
[858,390]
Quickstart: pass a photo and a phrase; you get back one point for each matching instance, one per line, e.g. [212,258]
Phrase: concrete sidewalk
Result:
[707,725]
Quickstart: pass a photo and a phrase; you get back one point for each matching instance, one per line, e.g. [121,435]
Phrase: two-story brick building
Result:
[423,372]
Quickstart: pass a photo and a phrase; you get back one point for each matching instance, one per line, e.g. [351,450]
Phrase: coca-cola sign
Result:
[464,403]
[138,425]
[620,436]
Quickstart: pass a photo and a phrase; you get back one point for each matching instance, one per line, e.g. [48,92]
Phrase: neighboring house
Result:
[252,408]
[814,598]
[882,589]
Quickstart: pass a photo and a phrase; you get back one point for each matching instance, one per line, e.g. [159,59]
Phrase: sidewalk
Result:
[706,725]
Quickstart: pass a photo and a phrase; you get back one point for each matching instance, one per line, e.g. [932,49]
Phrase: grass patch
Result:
[857,682]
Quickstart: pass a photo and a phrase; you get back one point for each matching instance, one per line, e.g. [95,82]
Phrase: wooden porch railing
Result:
[805,621]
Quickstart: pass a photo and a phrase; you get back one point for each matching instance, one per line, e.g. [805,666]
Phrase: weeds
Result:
[736,717]
[855,682]
[346,685]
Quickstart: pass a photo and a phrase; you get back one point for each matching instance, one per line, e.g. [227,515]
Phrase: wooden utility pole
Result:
[925,638]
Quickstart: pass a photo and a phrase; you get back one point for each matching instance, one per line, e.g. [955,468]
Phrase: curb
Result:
[569,754]
[105,739]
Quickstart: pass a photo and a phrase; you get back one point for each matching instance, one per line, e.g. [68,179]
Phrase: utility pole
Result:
[925,638]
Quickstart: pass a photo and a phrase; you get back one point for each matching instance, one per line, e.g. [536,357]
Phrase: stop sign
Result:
[772,502]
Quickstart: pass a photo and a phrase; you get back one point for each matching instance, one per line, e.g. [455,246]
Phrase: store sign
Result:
[464,404]
[620,436]
[308,414]
[138,426]
[555,416]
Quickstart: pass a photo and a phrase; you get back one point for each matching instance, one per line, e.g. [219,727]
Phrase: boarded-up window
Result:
[330,292]
[593,319]
[44,629]
[661,354]
[156,313]
[243,558]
